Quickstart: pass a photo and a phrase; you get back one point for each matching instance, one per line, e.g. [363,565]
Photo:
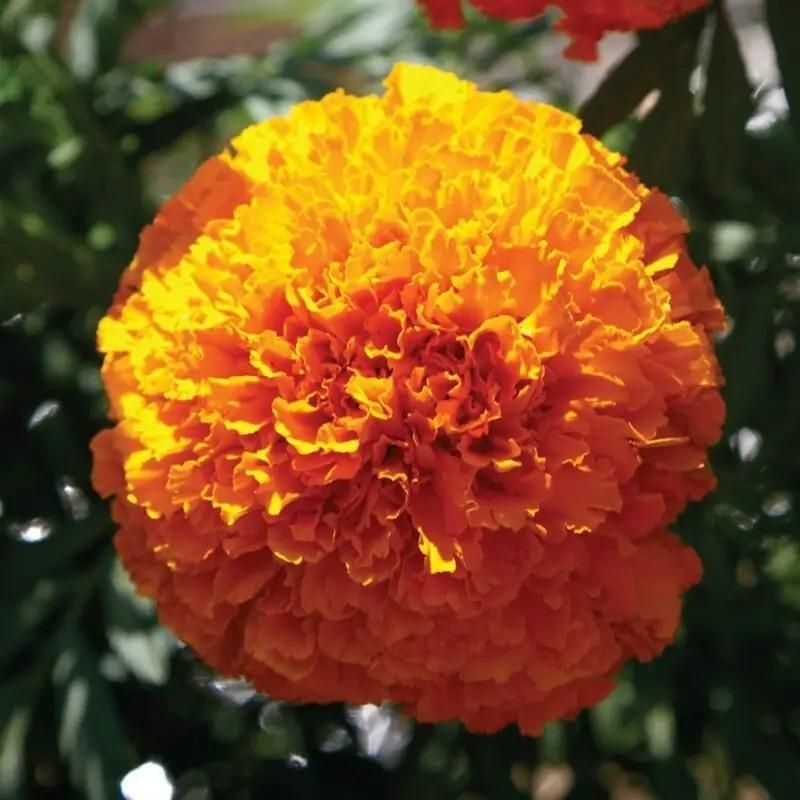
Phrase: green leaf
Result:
[659,727]
[728,105]
[783,18]
[745,354]
[616,729]
[772,760]
[625,87]
[142,645]
[658,154]
[90,735]
[672,778]
[645,68]
[25,563]
[16,710]
[98,30]
[19,621]
[773,167]
[41,265]
[189,115]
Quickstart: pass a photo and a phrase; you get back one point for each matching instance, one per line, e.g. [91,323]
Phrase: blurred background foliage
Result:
[106,106]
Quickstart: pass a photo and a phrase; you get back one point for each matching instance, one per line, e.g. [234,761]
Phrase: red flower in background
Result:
[585,20]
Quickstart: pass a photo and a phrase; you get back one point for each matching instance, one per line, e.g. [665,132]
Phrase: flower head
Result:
[585,20]
[406,390]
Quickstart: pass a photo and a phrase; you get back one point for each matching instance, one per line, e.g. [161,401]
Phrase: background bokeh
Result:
[106,107]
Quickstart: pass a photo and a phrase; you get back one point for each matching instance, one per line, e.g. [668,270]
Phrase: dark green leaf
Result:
[783,18]
[41,265]
[728,104]
[142,645]
[27,563]
[645,68]
[770,759]
[658,153]
[673,779]
[98,30]
[745,353]
[90,735]
[641,71]
[616,729]
[19,622]
[773,167]
[189,115]
[16,709]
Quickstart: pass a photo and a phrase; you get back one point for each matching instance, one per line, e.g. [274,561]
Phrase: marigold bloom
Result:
[585,20]
[406,390]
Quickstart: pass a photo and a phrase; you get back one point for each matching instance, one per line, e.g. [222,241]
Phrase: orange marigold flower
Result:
[406,391]
[585,20]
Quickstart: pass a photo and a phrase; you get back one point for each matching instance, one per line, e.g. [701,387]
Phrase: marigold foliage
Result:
[406,390]
[586,21]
